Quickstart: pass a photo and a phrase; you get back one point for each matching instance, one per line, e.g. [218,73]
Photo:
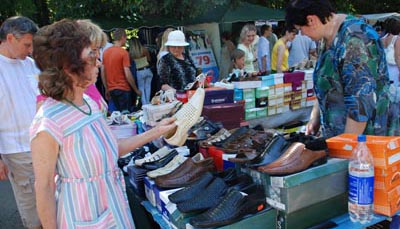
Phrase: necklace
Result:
[79,109]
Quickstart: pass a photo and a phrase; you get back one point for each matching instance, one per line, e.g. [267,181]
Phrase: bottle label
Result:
[361,190]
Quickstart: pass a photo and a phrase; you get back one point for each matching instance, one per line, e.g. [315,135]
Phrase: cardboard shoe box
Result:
[230,114]
[215,95]
[387,202]
[294,192]
[384,149]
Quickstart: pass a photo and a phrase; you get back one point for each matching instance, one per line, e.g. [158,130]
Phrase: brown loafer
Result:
[295,159]
[186,173]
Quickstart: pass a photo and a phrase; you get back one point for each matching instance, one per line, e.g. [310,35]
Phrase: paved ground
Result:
[9,216]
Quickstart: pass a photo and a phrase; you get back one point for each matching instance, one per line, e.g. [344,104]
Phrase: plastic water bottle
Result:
[361,183]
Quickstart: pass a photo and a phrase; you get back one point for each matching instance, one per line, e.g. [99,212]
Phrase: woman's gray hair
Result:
[18,26]
[247,28]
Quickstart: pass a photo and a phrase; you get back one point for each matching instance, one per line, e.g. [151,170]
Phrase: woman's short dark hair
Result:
[392,26]
[298,10]
[57,49]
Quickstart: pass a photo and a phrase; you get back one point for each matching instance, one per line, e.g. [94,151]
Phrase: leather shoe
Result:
[273,151]
[160,162]
[297,158]
[233,207]
[227,175]
[186,173]
[206,199]
[171,166]
[242,182]
[191,191]
[160,153]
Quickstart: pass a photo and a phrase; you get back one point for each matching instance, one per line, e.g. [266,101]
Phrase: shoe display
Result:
[227,175]
[247,142]
[193,190]
[171,166]
[232,138]
[241,182]
[186,117]
[298,157]
[134,155]
[209,197]
[204,129]
[186,173]
[233,207]
[222,134]
[160,162]
[274,149]
[162,152]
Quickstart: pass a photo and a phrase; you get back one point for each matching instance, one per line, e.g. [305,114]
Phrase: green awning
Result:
[219,14]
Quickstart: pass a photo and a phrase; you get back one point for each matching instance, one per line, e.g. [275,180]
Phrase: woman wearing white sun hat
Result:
[176,69]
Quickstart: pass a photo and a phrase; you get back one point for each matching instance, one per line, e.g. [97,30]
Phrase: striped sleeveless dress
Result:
[90,188]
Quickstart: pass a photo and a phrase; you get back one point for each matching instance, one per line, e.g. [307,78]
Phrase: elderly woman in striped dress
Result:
[70,138]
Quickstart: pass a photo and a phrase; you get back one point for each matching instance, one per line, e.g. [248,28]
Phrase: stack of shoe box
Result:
[246,94]
[309,197]
[215,95]
[308,84]
[385,151]
[299,92]
[219,106]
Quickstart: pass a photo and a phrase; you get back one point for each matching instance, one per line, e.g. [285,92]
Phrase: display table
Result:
[343,221]
[156,215]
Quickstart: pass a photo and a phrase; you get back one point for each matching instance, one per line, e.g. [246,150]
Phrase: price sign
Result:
[205,60]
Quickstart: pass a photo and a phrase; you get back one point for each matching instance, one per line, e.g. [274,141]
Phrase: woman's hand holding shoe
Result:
[166,125]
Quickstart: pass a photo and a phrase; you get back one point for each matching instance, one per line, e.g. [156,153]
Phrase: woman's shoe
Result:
[162,152]
[186,117]
[160,162]
[171,166]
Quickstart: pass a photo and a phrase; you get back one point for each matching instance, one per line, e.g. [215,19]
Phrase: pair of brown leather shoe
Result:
[186,173]
[298,157]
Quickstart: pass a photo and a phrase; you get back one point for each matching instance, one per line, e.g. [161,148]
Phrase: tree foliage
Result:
[47,11]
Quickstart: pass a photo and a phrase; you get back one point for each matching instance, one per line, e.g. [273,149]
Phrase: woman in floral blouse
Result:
[350,79]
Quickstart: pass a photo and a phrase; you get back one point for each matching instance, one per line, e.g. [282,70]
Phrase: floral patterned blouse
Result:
[351,80]
[175,72]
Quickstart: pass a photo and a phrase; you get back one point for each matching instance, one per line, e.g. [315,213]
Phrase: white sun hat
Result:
[176,38]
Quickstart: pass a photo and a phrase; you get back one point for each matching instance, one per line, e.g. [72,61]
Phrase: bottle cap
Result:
[362,138]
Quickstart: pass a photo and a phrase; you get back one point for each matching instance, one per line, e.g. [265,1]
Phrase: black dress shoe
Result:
[160,162]
[275,148]
[233,207]
[227,174]
[206,199]
[191,192]
[136,154]
[242,182]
